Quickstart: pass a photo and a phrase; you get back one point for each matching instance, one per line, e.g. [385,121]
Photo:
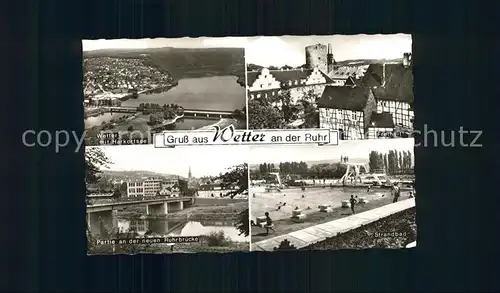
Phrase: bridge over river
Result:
[187,112]
[106,212]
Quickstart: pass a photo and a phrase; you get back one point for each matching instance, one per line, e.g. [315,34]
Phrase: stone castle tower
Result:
[320,56]
[316,57]
[189,173]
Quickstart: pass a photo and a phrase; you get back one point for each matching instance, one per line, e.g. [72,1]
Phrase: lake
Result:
[178,228]
[191,124]
[206,93]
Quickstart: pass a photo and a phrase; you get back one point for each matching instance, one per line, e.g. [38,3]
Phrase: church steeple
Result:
[189,173]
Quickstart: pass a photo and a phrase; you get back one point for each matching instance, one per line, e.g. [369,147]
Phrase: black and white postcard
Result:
[359,194]
[142,199]
[134,88]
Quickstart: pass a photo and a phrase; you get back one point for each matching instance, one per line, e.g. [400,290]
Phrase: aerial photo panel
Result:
[134,88]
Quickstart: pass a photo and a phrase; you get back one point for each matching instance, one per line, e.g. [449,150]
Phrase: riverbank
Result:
[166,123]
[159,89]
[224,122]
[222,211]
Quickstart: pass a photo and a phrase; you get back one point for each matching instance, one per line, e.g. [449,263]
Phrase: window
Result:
[261,86]
[354,116]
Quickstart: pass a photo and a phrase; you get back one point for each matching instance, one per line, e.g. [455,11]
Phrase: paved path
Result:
[311,235]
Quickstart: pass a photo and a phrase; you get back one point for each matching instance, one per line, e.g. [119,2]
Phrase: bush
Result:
[216,239]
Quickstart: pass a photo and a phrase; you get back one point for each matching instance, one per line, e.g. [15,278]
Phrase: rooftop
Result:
[284,76]
[372,76]
[343,72]
[346,98]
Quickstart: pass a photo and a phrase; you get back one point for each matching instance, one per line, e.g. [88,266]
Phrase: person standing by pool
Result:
[396,191]
[352,201]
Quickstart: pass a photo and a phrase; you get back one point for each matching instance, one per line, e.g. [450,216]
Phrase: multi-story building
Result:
[347,110]
[171,182]
[150,187]
[269,83]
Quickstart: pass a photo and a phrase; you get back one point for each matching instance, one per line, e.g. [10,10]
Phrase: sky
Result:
[354,149]
[209,161]
[277,51]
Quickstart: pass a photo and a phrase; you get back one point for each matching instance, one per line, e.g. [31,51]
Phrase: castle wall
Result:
[316,57]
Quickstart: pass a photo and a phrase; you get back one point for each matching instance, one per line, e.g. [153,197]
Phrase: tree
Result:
[183,187]
[238,175]
[386,164]
[116,193]
[263,116]
[410,164]
[123,188]
[95,159]
[288,109]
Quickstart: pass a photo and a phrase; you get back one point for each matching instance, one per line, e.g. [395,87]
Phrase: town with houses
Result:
[107,81]
[362,100]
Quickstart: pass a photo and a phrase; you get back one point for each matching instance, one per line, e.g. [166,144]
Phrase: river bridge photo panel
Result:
[134,88]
